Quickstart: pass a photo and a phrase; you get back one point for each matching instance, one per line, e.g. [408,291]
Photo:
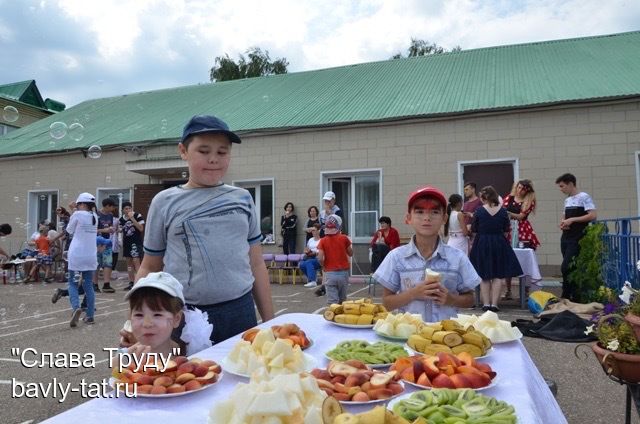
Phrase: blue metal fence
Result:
[621,254]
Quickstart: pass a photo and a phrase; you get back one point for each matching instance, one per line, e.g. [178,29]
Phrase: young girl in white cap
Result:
[157,308]
[82,255]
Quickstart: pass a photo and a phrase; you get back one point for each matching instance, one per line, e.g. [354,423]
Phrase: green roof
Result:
[24,91]
[465,82]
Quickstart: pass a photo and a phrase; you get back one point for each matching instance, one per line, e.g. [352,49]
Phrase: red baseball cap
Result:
[427,191]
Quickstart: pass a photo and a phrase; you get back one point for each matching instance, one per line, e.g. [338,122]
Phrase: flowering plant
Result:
[609,326]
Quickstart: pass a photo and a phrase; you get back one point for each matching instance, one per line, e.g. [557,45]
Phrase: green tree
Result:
[256,64]
[423,48]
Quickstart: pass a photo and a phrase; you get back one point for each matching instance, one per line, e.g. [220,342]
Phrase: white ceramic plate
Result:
[407,347]
[351,325]
[309,364]
[493,383]
[387,336]
[112,382]
[349,402]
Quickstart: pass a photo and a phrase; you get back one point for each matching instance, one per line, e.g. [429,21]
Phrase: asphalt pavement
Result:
[28,320]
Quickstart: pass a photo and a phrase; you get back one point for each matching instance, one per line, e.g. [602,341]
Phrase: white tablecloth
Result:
[519,383]
[529,264]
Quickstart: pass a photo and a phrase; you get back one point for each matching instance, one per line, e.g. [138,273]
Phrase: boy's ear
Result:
[182,149]
[407,218]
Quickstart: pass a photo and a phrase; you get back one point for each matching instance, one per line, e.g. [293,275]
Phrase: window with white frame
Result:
[41,207]
[359,195]
[262,193]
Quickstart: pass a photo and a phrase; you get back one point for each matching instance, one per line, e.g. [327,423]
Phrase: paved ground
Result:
[28,319]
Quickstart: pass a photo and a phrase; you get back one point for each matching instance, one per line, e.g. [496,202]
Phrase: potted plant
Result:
[617,349]
[587,276]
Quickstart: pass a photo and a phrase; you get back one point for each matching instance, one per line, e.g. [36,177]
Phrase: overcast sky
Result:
[83,49]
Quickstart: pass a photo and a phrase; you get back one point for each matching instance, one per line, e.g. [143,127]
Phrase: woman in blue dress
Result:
[491,255]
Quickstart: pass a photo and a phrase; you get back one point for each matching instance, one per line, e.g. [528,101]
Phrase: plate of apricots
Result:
[285,331]
[180,377]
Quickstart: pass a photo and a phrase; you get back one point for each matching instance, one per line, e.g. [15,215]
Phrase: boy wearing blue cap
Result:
[207,235]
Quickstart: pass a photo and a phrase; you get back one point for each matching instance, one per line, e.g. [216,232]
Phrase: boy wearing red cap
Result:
[451,279]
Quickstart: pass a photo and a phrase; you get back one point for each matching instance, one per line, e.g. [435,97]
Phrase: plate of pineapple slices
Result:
[450,337]
[361,313]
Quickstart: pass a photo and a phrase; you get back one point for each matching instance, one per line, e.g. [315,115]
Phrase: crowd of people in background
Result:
[82,251]
[483,225]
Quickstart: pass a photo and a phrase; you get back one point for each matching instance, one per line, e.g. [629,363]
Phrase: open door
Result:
[142,196]
[499,175]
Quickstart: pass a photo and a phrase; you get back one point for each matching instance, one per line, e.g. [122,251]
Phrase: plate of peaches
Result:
[445,370]
[289,332]
[180,377]
[352,382]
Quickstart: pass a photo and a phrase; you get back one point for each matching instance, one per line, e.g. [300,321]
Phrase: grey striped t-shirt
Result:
[204,235]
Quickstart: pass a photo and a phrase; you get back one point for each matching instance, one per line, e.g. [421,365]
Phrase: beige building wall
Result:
[27,114]
[598,144]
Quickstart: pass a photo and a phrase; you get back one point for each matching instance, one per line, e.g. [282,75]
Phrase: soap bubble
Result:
[18,220]
[65,196]
[37,313]
[94,152]
[43,197]
[22,308]
[37,183]
[107,178]
[184,174]
[52,144]
[76,131]
[10,114]
[16,199]
[58,130]
[3,312]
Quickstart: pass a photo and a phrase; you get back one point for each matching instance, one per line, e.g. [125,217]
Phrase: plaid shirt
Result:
[404,267]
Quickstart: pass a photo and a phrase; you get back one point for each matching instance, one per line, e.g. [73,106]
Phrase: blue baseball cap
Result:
[200,124]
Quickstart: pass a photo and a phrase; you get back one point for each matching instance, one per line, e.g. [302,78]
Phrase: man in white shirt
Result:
[579,211]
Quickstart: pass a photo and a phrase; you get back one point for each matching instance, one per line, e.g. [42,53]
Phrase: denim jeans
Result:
[228,318]
[336,283]
[310,268]
[87,285]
